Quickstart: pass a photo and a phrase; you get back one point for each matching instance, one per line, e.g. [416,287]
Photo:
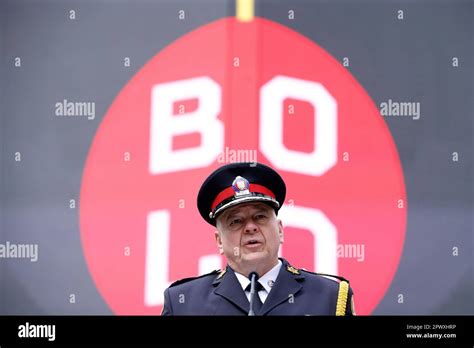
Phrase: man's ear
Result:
[280,231]
[219,242]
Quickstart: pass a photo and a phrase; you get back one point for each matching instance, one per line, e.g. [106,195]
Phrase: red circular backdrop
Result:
[361,191]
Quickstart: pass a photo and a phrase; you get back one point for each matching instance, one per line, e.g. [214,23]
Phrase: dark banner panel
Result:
[114,112]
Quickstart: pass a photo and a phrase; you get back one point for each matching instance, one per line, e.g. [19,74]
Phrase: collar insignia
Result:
[293,270]
[221,274]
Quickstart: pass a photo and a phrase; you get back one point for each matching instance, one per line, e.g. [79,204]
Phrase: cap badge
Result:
[240,186]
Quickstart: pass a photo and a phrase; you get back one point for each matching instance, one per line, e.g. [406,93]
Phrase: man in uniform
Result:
[241,200]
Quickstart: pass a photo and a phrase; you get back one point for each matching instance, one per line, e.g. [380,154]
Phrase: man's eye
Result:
[234,222]
[261,216]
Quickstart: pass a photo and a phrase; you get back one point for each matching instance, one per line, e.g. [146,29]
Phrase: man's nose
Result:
[250,226]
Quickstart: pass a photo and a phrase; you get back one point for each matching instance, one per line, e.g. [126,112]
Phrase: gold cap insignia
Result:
[293,270]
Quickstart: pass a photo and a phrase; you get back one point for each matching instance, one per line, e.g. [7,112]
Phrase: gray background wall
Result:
[407,60]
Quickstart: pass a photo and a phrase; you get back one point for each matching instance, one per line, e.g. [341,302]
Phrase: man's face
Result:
[249,235]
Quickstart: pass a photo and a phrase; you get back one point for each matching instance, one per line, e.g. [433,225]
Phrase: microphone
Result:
[253,276]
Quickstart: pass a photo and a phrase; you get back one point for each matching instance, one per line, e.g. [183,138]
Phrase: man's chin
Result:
[254,256]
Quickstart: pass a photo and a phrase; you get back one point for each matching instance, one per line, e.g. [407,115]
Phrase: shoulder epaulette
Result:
[342,295]
[342,279]
[185,280]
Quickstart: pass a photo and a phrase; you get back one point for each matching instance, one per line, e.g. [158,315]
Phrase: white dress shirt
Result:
[267,281]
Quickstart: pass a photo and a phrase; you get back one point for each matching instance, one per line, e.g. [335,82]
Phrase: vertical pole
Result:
[244,10]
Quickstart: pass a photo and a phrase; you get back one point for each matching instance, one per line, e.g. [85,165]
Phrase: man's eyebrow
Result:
[231,214]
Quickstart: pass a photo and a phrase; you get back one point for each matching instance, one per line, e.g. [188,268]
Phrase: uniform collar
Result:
[287,282]
[267,279]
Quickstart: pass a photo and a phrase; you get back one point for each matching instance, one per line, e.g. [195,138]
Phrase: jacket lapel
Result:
[286,284]
[229,287]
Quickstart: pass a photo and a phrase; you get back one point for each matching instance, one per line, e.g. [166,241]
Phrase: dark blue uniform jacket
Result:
[295,292]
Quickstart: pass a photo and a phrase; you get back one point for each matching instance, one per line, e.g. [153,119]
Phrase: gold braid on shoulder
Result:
[342,298]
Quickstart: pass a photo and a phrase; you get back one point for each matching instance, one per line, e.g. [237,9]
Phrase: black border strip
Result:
[291,330]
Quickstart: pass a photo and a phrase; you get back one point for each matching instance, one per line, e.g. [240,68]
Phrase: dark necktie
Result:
[257,303]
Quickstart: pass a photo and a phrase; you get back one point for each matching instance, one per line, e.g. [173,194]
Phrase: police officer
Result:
[242,201]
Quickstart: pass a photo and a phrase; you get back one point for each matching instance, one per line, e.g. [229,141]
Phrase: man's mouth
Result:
[253,243]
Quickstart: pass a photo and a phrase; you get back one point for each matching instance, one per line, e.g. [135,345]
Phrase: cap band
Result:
[229,192]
